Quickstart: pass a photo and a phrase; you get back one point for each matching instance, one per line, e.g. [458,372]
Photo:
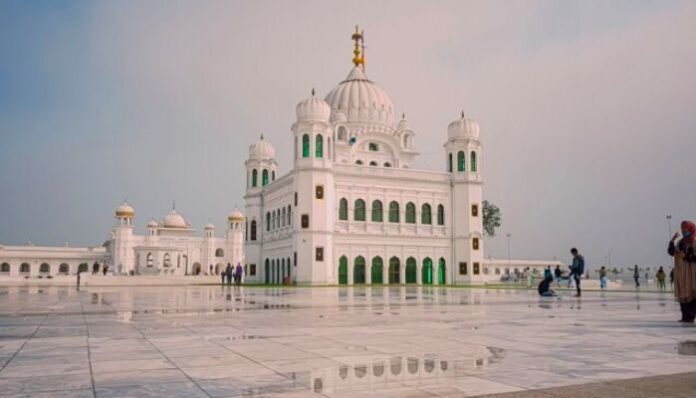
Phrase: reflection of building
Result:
[169,247]
[352,210]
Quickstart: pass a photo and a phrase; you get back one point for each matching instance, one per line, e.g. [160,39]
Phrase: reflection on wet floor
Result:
[687,348]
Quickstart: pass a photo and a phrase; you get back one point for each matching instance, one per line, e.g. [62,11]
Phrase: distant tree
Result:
[492,218]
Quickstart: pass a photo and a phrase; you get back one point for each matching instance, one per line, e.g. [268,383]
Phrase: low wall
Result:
[110,280]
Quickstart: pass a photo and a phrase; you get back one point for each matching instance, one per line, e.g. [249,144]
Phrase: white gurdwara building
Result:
[353,210]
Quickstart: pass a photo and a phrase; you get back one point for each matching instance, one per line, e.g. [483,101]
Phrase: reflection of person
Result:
[577,269]
[544,287]
[684,272]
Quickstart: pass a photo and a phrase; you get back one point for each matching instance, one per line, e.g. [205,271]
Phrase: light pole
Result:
[508,242]
[669,225]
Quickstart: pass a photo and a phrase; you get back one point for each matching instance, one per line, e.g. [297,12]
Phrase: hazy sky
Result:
[587,109]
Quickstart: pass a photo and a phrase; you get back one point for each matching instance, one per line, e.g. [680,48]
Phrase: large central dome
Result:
[361,100]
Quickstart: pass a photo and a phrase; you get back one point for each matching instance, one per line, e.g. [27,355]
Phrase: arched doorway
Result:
[441,272]
[394,271]
[411,270]
[196,268]
[343,270]
[377,265]
[427,274]
[267,272]
[359,270]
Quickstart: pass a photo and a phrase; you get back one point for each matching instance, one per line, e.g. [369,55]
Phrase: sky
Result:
[586,109]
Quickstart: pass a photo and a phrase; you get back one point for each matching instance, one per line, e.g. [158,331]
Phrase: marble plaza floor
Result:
[212,341]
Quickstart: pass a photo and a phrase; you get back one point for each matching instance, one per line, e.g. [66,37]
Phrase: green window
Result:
[449,162]
[377,211]
[373,147]
[319,146]
[359,270]
[426,214]
[264,177]
[410,213]
[377,265]
[359,211]
[411,270]
[254,178]
[461,163]
[343,209]
[393,212]
[343,270]
[305,146]
[472,159]
[394,270]
[427,273]
[440,215]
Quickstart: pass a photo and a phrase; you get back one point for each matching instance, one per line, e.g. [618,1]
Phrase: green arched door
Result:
[441,272]
[427,276]
[343,271]
[377,265]
[359,270]
[411,270]
[394,271]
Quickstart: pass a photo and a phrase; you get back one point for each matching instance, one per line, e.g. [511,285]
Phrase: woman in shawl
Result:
[685,269]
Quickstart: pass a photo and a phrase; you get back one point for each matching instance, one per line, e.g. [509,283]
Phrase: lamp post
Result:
[669,225]
[508,242]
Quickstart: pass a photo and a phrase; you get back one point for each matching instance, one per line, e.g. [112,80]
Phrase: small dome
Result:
[125,210]
[209,226]
[313,109]
[153,224]
[403,123]
[463,128]
[236,215]
[174,220]
[261,149]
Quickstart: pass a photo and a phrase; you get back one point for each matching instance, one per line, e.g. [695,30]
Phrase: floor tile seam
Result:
[23,344]
[89,351]
[170,361]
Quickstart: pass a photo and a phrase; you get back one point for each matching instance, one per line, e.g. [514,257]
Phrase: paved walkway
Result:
[212,341]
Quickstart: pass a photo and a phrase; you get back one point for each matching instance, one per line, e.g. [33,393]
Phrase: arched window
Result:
[440,215]
[219,253]
[387,164]
[253,230]
[167,261]
[410,213]
[343,209]
[411,270]
[264,177]
[373,147]
[5,268]
[319,146]
[359,162]
[449,162]
[342,133]
[393,212]
[343,270]
[394,271]
[373,163]
[305,146]
[289,215]
[426,214]
[254,178]
[359,270]
[25,268]
[472,159]
[359,210]
[82,267]
[268,221]
[377,211]
[461,164]
[282,218]
[149,260]
[267,274]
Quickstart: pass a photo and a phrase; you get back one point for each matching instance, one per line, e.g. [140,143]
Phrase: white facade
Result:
[169,247]
[352,209]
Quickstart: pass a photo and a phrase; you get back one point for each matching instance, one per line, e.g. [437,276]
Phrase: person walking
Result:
[228,273]
[636,275]
[603,278]
[684,269]
[577,269]
[238,274]
[661,276]
[558,274]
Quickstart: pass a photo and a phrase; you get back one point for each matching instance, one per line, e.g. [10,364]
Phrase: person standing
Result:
[228,273]
[660,276]
[684,269]
[548,273]
[577,269]
[636,275]
[223,274]
[558,274]
[603,278]
[238,274]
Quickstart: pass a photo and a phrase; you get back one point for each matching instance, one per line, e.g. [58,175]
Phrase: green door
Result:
[411,270]
[343,271]
[441,272]
[377,271]
[427,272]
[359,270]
[394,271]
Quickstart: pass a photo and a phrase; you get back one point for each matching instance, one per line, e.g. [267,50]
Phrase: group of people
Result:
[230,273]
[576,271]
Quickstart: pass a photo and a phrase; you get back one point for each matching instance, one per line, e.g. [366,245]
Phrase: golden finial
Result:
[357,37]
[362,47]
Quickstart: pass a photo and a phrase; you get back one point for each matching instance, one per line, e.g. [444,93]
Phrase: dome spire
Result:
[358,38]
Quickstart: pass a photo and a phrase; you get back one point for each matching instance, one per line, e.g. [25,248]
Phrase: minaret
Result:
[235,237]
[261,157]
[463,162]
[314,186]
[123,257]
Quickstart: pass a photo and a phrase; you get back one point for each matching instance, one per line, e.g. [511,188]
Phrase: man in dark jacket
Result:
[544,287]
[228,273]
[577,269]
